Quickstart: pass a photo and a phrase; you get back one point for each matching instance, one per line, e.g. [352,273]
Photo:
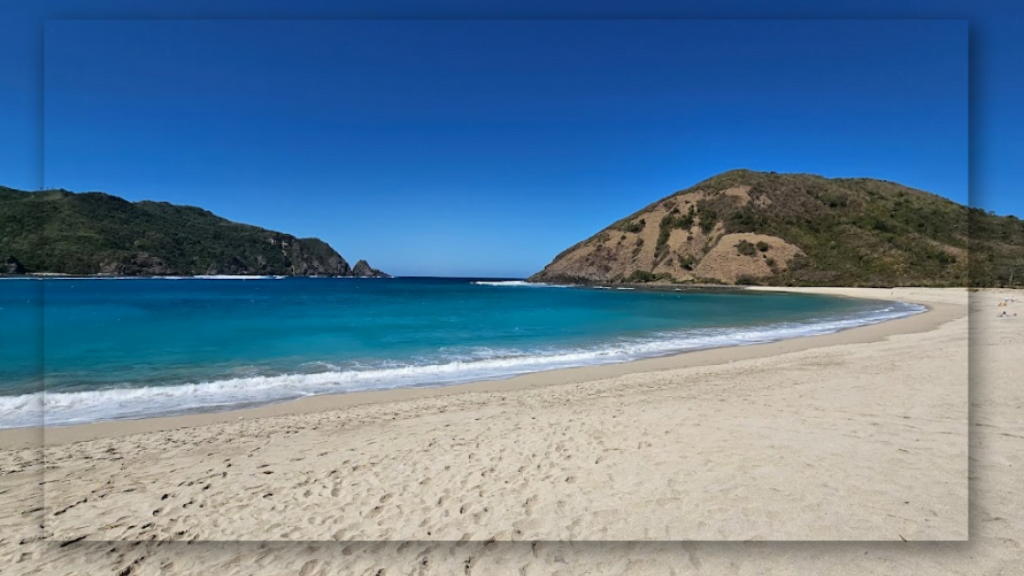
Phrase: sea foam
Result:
[126,402]
[518,284]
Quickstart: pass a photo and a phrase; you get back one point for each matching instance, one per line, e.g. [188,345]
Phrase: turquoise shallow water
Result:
[129,348]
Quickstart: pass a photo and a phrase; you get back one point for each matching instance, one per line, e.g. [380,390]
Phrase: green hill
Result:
[746,227]
[58,231]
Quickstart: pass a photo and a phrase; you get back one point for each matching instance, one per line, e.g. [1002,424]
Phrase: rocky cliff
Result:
[364,270]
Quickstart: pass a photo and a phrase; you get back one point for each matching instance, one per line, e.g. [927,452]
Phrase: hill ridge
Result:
[85,233]
[748,227]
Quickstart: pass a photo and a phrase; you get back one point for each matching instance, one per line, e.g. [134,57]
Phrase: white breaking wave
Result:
[233,277]
[63,408]
[518,283]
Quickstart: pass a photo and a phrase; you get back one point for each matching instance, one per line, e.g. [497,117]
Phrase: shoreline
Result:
[858,435]
[937,314]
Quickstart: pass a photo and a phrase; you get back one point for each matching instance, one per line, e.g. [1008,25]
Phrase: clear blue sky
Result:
[487,147]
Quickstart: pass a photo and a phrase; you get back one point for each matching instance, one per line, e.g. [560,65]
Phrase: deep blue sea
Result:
[130,348]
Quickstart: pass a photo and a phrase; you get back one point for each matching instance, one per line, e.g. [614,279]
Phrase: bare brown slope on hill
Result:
[745,227]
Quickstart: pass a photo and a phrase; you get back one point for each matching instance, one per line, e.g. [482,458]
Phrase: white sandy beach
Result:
[859,436]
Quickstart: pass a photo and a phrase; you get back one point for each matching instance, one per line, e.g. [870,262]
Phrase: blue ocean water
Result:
[129,348]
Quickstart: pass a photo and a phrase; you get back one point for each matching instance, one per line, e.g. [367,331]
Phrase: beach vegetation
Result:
[675,219]
[630,225]
[641,276]
[638,246]
[706,214]
[745,248]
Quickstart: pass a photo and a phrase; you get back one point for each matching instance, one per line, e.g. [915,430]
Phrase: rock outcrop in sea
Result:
[363,270]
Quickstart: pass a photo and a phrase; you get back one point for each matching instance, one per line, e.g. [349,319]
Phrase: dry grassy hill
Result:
[746,227]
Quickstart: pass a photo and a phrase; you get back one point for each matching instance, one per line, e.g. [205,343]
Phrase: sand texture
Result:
[843,440]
